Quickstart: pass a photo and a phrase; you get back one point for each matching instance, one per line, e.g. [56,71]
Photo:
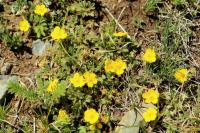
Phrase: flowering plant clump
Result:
[91,116]
[150,114]
[151,96]
[58,33]
[80,59]
[118,66]
[149,55]
[77,80]
[40,9]
[24,25]
[181,75]
[52,85]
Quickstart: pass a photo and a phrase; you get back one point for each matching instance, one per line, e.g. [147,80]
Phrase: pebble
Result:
[5,70]
[4,80]
[39,47]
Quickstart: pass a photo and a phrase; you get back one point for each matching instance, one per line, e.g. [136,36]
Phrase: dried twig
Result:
[116,21]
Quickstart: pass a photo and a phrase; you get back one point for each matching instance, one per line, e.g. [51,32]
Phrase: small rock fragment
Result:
[39,47]
[4,80]
[6,68]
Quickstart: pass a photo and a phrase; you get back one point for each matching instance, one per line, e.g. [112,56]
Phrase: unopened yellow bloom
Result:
[120,34]
[99,125]
[104,91]
[109,66]
[62,115]
[105,119]
[24,25]
[90,79]
[52,85]
[92,127]
[151,96]
[40,9]
[150,114]
[77,80]
[181,75]
[119,66]
[58,33]
[91,116]
[149,56]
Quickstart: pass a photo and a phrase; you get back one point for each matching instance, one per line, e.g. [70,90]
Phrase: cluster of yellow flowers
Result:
[57,33]
[151,96]
[88,78]
[118,66]
[40,10]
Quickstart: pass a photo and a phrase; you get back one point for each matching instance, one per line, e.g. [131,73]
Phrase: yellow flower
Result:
[105,119]
[181,75]
[52,85]
[119,66]
[62,115]
[91,116]
[92,127]
[90,79]
[149,55]
[151,96]
[109,66]
[120,34]
[77,80]
[58,33]
[24,25]
[40,9]
[150,114]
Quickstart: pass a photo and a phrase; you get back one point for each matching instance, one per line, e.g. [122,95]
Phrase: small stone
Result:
[4,80]
[130,122]
[6,68]
[39,47]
